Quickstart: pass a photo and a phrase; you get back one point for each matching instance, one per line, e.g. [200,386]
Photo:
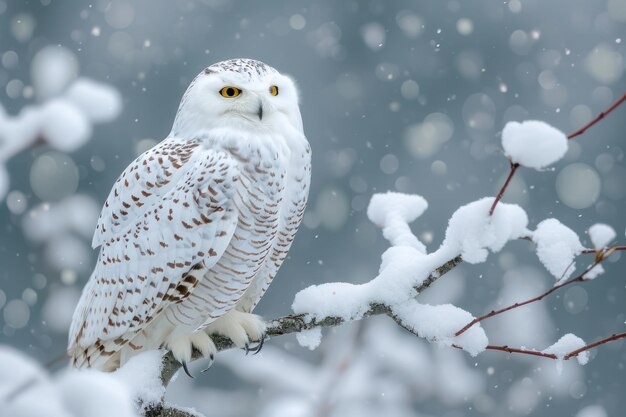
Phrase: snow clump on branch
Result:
[566,344]
[471,233]
[557,246]
[601,235]
[533,144]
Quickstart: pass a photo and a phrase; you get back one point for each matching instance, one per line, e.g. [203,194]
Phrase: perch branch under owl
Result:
[298,322]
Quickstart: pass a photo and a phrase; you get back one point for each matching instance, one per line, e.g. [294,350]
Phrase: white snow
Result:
[99,102]
[59,306]
[557,246]
[26,390]
[566,344]
[94,394]
[142,377]
[63,228]
[392,212]
[405,265]
[64,126]
[601,235]
[439,323]
[533,144]
[594,272]
[53,68]
[76,214]
[471,231]
[310,339]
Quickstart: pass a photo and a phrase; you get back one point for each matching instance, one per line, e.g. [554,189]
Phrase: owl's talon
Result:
[258,348]
[187,370]
[211,360]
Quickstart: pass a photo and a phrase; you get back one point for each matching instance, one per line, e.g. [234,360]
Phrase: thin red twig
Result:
[598,118]
[504,187]
[579,278]
[522,351]
[516,305]
[579,132]
[574,353]
[614,336]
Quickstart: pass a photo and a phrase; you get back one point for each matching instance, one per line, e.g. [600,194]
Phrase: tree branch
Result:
[293,323]
[504,187]
[599,117]
[296,323]
[168,411]
[601,255]
[572,354]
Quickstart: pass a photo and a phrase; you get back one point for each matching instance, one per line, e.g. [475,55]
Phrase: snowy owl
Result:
[195,229]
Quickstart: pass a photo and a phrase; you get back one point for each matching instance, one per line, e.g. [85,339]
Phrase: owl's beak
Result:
[260,111]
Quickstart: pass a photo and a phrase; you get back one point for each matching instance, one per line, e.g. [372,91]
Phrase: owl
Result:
[196,228]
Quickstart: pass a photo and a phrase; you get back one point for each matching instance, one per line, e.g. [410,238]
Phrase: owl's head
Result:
[239,93]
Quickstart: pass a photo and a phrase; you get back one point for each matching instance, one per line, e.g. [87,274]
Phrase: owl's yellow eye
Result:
[274,90]
[230,92]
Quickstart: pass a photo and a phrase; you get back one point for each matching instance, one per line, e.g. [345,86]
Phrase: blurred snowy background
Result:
[408,96]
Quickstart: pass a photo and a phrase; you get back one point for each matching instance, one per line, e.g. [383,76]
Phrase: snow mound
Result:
[439,324]
[310,339]
[557,246]
[142,377]
[53,68]
[533,144]
[95,394]
[565,345]
[392,212]
[601,235]
[471,230]
[383,206]
[99,102]
[64,126]
[26,390]
[594,272]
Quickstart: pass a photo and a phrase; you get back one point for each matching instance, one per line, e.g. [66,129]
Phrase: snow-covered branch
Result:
[297,323]
[68,106]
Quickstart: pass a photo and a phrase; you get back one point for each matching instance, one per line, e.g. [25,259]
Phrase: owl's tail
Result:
[103,355]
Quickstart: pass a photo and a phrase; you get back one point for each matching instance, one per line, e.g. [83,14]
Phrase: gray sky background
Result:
[395,95]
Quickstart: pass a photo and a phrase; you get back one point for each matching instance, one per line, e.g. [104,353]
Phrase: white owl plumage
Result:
[196,228]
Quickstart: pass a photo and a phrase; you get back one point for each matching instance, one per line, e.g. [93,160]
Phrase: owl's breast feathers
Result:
[198,225]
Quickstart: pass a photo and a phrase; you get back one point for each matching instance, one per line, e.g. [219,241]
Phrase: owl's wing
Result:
[147,262]
[143,183]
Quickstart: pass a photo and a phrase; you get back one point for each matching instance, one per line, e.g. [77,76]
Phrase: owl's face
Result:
[240,93]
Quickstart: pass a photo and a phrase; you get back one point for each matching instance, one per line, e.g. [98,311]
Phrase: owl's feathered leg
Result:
[182,347]
[242,328]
